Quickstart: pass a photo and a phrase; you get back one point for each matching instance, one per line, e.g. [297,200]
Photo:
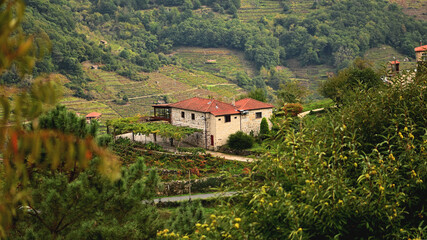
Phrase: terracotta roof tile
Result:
[205,105]
[421,48]
[251,104]
[94,114]
[216,107]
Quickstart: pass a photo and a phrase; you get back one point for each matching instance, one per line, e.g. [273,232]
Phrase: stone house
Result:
[217,119]
[421,53]
[93,116]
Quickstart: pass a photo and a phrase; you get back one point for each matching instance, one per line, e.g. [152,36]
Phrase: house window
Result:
[193,116]
[258,115]
[183,114]
[227,118]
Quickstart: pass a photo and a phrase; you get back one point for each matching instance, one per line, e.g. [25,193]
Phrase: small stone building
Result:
[217,119]
[421,53]
[93,116]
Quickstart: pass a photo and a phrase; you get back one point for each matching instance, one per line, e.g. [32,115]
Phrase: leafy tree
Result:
[291,92]
[257,94]
[360,75]
[334,178]
[26,151]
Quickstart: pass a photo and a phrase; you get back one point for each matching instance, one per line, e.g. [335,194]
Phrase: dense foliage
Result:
[337,34]
[240,141]
[334,34]
[90,206]
[358,172]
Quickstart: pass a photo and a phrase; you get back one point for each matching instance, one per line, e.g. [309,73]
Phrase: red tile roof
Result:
[206,105]
[421,48]
[93,115]
[251,104]
[216,107]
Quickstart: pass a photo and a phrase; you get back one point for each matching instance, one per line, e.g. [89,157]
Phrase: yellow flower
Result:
[355,164]
[237,219]
[391,156]
[208,229]
[340,201]
[411,136]
[299,229]
[271,204]
[198,224]
[262,200]
[405,129]
[303,192]
[400,135]
[185,237]
[203,237]
[236,225]
[413,173]
[381,188]
[213,216]
[166,230]
[255,211]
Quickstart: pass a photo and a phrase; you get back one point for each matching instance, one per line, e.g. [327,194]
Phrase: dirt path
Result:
[193,197]
[303,114]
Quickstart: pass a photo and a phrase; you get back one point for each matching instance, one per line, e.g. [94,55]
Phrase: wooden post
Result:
[189,183]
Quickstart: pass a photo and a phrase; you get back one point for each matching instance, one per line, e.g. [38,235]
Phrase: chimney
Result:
[233,102]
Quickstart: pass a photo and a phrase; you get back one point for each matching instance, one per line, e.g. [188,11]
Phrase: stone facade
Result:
[421,56]
[224,126]
[203,121]
[217,120]
[216,129]
[252,120]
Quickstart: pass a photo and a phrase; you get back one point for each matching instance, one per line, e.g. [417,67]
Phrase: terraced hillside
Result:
[254,10]
[416,8]
[380,56]
[171,83]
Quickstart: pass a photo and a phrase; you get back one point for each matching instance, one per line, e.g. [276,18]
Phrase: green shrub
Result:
[264,130]
[240,141]
[104,140]
[292,109]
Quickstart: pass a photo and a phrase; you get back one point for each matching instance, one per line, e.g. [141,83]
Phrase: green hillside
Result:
[151,51]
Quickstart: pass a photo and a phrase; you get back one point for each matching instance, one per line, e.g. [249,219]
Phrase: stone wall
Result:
[201,121]
[250,122]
